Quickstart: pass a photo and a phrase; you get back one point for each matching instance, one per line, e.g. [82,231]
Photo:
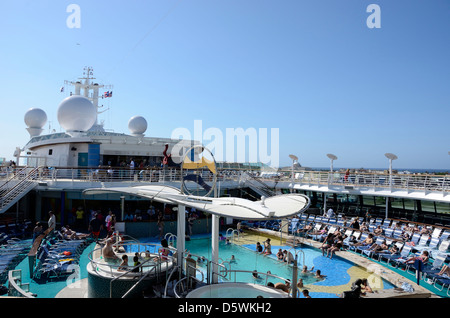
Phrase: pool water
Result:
[339,272]
[245,259]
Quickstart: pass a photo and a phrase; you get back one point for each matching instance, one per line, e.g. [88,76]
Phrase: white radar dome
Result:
[76,114]
[35,118]
[137,125]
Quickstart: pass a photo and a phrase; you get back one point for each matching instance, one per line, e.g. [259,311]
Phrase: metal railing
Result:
[25,179]
[425,182]
[145,269]
[15,286]
[409,182]
[232,233]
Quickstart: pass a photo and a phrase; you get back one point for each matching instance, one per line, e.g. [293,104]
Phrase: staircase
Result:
[257,185]
[17,187]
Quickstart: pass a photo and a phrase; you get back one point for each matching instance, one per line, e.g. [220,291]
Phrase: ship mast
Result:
[85,84]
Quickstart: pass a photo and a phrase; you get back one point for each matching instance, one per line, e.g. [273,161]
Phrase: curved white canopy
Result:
[276,207]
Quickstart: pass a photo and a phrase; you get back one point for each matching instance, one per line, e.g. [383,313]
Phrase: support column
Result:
[215,247]
[122,208]
[62,215]
[387,208]
[181,233]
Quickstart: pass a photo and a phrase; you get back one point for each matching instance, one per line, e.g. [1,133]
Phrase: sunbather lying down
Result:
[445,271]
[423,257]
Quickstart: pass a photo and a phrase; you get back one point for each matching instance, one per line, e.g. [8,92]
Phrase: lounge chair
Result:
[389,255]
[434,268]
[397,234]
[432,246]
[56,269]
[365,249]
[436,232]
[423,241]
[316,228]
[386,223]
[445,235]
[397,259]
[443,282]
[442,250]
[360,239]
[414,239]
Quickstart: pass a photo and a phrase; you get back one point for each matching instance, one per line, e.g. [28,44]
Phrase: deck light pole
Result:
[391,157]
[332,158]
[294,159]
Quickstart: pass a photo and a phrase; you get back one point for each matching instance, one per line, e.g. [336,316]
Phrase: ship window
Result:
[50,152]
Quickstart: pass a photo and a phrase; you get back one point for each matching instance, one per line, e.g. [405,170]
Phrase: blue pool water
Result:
[336,270]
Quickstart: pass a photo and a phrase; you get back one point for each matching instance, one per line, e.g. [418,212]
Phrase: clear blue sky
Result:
[311,68]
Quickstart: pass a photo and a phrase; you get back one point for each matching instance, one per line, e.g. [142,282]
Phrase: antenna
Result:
[87,84]
[293,157]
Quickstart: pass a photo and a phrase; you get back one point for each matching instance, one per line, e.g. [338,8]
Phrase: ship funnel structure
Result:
[35,119]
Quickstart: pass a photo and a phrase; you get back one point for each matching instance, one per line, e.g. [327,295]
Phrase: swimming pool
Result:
[340,273]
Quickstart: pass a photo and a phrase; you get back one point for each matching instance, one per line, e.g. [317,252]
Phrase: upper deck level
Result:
[413,186]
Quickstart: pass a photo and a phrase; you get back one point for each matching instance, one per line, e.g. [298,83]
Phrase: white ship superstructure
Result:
[85,142]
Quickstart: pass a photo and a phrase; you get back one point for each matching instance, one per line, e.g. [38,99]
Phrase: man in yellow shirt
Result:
[79,218]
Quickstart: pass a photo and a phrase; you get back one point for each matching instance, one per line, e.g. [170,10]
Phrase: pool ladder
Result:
[232,233]
[170,238]
[296,253]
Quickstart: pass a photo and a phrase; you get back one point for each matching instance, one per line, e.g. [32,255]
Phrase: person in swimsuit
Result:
[267,247]
[280,255]
[164,251]
[124,265]
[423,257]
[337,245]
[108,253]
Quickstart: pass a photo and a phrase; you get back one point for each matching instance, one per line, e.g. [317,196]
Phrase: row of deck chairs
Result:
[12,252]
[14,230]
[437,244]
[57,257]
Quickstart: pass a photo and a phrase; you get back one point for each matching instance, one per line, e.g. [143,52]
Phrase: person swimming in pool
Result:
[280,255]
[124,265]
[163,251]
[259,248]
[319,275]
[255,275]
[305,270]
